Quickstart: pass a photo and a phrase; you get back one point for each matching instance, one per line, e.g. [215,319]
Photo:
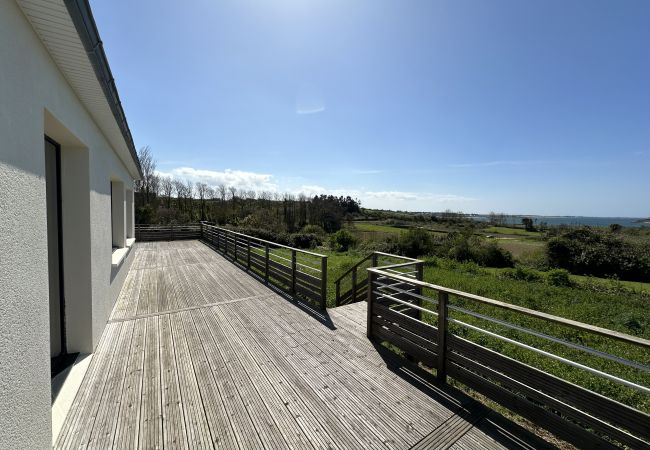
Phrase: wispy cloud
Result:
[500,163]
[641,153]
[309,100]
[236,178]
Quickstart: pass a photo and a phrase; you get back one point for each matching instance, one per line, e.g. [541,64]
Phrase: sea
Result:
[573,220]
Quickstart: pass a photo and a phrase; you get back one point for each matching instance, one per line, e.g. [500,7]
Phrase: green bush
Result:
[342,240]
[491,255]
[415,242]
[559,277]
[589,252]
[523,274]
[466,247]
[313,229]
[305,240]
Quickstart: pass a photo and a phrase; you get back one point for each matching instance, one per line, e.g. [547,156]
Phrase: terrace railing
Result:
[169,232]
[299,273]
[352,285]
[585,384]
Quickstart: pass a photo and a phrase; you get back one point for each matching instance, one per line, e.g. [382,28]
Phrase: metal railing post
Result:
[338,293]
[323,283]
[248,254]
[374,260]
[441,370]
[293,272]
[371,282]
[354,284]
[419,268]
[235,246]
[226,245]
[266,262]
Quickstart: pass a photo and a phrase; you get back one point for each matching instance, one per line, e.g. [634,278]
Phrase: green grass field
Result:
[513,231]
[520,247]
[367,226]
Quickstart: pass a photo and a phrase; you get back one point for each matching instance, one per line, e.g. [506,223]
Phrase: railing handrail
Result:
[369,256]
[521,309]
[275,244]
[581,413]
[285,273]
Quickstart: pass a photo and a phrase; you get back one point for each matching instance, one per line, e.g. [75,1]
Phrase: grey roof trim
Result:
[84,22]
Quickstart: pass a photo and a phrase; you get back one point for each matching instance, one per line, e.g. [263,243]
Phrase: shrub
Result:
[559,277]
[523,274]
[415,242]
[313,229]
[491,255]
[305,240]
[588,252]
[342,240]
[145,215]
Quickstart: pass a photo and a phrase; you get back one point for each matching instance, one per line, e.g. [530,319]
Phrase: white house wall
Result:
[34,96]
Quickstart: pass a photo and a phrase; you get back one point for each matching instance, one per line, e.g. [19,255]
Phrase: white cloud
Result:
[235,178]
[396,200]
[309,99]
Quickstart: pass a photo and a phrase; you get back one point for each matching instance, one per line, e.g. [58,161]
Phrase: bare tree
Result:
[167,187]
[223,191]
[202,189]
[148,185]
[189,197]
[179,187]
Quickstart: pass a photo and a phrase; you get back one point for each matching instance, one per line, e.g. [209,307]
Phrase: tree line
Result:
[162,199]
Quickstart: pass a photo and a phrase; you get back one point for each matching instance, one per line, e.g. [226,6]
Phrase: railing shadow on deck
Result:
[468,411]
[319,314]
[512,355]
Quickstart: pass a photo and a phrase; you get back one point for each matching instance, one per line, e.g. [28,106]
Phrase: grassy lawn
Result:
[520,247]
[367,226]
[513,231]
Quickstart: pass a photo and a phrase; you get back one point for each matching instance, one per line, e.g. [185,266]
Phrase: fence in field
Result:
[167,232]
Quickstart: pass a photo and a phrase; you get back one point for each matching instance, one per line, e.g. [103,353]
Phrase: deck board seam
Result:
[190,308]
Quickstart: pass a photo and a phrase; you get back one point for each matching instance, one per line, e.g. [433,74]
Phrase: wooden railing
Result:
[297,272]
[352,285]
[561,374]
[169,232]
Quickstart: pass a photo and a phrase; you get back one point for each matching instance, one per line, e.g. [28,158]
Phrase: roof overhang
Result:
[69,33]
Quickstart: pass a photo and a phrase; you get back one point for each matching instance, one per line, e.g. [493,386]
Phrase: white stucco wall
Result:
[30,85]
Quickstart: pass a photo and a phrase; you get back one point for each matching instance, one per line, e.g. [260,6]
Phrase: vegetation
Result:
[586,251]
[161,200]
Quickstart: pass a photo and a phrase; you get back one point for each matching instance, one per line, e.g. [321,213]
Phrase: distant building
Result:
[67,167]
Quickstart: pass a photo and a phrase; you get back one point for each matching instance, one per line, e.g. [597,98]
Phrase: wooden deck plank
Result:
[103,428]
[370,408]
[151,425]
[221,429]
[174,431]
[245,431]
[128,418]
[198,432]
[200,354]
[293,434]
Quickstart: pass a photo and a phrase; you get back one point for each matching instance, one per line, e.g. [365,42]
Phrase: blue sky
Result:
[475,106]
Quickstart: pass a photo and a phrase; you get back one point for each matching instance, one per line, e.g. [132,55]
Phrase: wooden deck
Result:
[198,354]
